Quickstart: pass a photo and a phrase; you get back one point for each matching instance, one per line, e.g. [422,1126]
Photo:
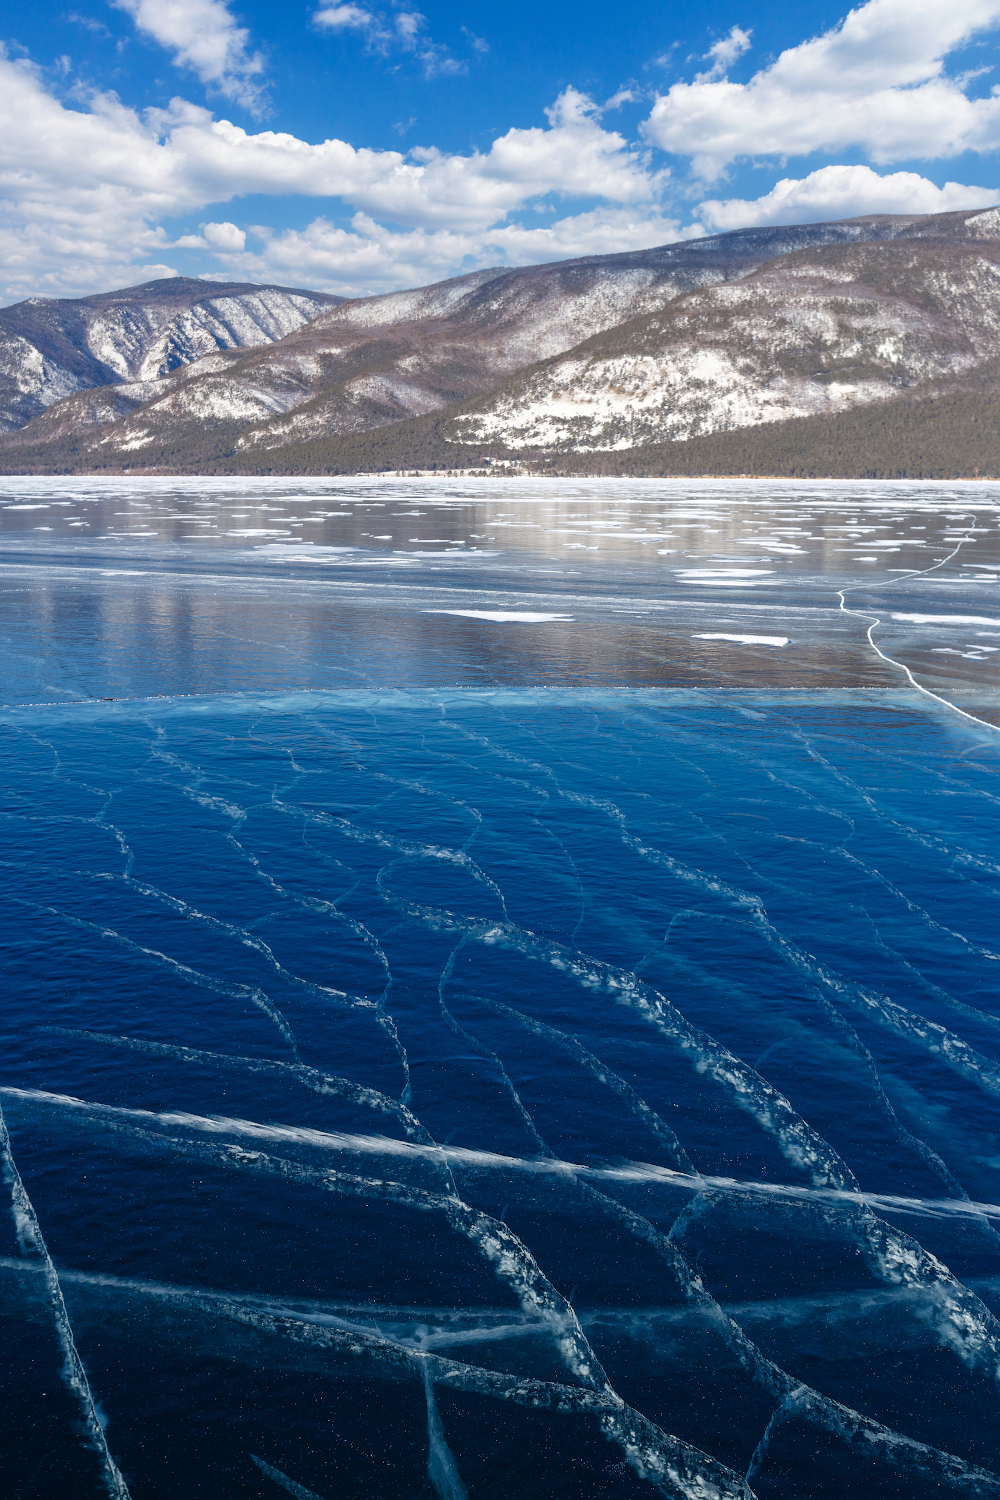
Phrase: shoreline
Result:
[493,473]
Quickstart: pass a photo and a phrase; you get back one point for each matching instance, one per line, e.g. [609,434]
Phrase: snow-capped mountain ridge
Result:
[51,347]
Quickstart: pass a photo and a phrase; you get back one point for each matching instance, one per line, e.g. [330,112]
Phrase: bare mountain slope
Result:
[605,352]
[50,347]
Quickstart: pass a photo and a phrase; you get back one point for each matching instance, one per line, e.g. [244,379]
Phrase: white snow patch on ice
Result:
[526,617]
[297,551]
[744,640]
[948,619]
[725,572]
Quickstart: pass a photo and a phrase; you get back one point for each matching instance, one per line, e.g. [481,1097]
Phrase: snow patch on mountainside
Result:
[629,401]
[145,343]
[440,301]
[141,438]
[32,381]
[221,400]
[987,223]
[781,344]
[348,410]
[411,399]
[154,389]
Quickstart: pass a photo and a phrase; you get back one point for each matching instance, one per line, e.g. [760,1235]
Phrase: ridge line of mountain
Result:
[631,360]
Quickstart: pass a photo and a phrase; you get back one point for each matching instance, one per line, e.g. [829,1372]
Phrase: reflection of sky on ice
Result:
[434,1070]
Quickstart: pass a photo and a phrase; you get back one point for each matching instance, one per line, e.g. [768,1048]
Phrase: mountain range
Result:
[869,345]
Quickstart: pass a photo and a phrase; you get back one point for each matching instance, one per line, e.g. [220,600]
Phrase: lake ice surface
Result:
[500,993]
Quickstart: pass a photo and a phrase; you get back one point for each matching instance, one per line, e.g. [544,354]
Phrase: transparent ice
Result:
[581,1082]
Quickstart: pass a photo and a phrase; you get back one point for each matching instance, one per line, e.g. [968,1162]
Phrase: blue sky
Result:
[361,147]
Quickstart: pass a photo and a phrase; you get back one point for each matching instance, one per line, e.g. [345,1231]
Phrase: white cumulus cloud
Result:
[876,82]
[723,53]
[203,35]
[344,18]
[223,237]
[405,30]
[843,193]
[83,190]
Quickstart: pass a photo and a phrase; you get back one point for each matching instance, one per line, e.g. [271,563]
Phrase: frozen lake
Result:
[122,589]
[501,989]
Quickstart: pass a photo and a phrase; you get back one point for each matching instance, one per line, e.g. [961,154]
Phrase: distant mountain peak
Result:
[52,347]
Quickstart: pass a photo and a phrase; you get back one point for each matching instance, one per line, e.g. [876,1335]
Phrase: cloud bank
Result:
[84,188]
[843,193]
[877,82]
